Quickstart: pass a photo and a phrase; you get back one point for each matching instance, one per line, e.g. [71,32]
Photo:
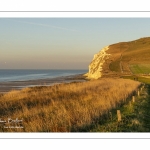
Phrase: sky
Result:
[63,43]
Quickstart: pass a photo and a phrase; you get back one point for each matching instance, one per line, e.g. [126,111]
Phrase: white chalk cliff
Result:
[96,66]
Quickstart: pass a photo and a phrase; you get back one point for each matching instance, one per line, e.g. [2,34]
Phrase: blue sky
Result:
[62,43]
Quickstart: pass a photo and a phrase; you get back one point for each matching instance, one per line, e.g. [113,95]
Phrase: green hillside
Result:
[140,68]
[128,58]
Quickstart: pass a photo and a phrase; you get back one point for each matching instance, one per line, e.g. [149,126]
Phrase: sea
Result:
[25,74]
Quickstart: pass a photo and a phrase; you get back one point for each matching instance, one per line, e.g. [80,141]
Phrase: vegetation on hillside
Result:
[72,107]
[128,57]
[140,68]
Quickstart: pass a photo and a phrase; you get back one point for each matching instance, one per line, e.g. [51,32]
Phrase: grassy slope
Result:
[65,107]
[139,51]
[129,53]
[140,68]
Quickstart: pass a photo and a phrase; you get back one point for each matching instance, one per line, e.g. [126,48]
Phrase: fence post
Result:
[119,115]
[138,92]
[133,99]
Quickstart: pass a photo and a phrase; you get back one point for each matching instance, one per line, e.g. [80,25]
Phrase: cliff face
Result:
[96,66]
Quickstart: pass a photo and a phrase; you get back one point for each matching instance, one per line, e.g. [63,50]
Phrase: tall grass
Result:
[65,107]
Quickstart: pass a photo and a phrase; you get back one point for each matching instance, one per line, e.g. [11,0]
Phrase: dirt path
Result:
[121,68]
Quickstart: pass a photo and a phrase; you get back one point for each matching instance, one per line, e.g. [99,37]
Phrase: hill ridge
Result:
[120,59]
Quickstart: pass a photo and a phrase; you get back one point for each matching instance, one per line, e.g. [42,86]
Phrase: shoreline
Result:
[19,85]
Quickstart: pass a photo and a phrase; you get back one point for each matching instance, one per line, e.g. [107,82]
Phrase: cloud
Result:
[44,25]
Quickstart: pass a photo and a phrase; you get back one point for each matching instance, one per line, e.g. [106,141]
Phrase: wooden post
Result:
[119,115]
[138,92]
[133,99]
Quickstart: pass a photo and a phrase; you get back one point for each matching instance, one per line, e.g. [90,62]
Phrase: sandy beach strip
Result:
[18,85]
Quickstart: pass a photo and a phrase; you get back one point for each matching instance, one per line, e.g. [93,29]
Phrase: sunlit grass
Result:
[65,107]
[140,68]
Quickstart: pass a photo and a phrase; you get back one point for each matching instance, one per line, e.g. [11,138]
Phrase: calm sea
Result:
[24,75]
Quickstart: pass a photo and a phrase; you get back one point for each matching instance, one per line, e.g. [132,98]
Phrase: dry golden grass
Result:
[65,107]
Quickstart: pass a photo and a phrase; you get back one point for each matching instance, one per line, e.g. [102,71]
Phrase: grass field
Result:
[72,107]
[140,68]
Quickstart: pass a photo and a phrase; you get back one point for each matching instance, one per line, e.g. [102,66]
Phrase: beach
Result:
[18,85]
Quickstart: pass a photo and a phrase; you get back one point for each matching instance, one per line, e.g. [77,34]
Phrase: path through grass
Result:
[135,116]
